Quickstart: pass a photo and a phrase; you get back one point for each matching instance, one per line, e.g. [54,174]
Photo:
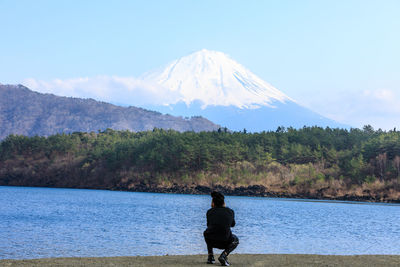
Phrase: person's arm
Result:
[208,222]
[233,219]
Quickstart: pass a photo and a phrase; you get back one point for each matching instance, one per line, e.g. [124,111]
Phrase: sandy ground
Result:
[199,260]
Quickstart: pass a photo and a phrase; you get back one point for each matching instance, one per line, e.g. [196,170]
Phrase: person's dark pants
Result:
[227,246]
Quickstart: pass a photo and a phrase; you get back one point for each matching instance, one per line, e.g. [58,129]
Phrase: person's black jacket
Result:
[219,223]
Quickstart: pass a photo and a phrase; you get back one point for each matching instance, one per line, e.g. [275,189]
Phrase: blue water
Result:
[47,222]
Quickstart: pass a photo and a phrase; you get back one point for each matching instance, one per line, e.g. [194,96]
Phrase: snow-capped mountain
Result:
[213,85]
[205,83]
[215,79]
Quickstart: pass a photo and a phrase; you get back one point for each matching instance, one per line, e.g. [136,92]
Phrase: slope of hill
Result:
[23,111]
[213,85]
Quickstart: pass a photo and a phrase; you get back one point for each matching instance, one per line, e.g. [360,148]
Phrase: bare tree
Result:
[396,165]
[381,161]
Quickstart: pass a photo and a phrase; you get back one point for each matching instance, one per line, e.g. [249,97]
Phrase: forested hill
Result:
[23,111]
[310,162]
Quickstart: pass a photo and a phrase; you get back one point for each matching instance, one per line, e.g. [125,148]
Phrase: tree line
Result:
[295,156]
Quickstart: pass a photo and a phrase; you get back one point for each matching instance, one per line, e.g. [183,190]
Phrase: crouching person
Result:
[218,234]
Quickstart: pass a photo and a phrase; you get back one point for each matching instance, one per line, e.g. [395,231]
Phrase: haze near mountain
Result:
[213,85]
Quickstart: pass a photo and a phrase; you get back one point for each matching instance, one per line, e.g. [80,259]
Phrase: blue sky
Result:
[340,58]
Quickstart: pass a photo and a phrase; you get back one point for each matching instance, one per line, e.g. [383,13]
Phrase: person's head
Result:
[218,200]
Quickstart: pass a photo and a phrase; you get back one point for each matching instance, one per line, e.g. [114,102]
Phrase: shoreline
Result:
[249,191]
[200,260]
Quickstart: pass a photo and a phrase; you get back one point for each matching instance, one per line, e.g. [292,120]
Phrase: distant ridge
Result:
[25,112]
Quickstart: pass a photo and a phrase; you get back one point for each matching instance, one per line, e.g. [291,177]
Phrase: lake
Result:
[50,222]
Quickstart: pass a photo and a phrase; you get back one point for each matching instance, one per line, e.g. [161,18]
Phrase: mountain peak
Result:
[215,79]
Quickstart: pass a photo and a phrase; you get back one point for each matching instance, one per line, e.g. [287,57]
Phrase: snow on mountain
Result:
[213,85]
[215,79]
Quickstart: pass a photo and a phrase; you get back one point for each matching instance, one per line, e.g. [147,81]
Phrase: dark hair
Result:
[218,199]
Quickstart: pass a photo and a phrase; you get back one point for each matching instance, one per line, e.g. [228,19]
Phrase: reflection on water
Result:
[44,222]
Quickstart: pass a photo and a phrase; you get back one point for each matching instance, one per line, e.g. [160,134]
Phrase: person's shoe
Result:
[210,259]
[223,259]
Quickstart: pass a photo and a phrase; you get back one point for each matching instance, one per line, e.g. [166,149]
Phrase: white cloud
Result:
[379,108]
[381,101]
[113,89]
[381,94]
